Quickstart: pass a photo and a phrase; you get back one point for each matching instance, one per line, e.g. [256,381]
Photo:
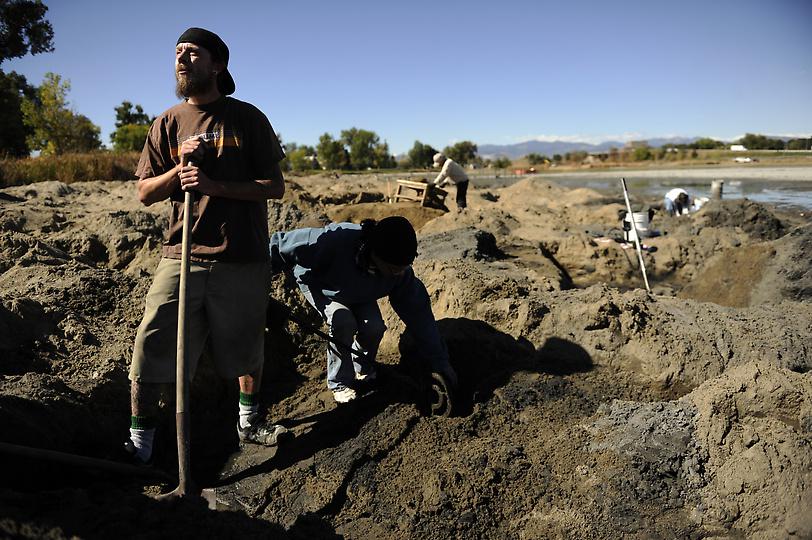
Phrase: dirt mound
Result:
[468,243]
[49,190]
[788,273]
[671,341]
[355,213]
[766,272]
[753,218]
[730,277]
[734,453]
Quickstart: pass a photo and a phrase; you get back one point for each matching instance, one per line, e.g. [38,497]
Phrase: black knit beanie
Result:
[393,239]
[218,50]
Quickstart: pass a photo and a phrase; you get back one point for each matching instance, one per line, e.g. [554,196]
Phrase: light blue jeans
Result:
[673,208]
[359,327]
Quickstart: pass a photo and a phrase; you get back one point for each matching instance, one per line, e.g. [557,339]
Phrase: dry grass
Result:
[68,168]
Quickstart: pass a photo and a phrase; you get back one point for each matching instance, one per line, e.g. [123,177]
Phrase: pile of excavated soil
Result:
[759,273]
[586,407]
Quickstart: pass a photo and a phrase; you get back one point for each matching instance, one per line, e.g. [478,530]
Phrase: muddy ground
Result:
[586,409]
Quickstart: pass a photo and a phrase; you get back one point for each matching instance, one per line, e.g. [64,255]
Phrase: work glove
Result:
[448,373]
[441,395]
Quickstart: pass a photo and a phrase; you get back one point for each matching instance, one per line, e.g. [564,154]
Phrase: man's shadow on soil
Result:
[333,427]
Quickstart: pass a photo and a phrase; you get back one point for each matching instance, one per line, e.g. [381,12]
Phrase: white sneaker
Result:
[344,395]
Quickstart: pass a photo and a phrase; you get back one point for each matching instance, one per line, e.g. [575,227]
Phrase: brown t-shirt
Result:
[241,147]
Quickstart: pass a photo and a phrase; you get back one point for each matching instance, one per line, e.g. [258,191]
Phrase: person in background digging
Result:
[676,202]
[225,151]
[342,270]
[452,173]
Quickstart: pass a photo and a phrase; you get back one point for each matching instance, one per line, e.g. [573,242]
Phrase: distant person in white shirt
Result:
[452,173]
[677,202]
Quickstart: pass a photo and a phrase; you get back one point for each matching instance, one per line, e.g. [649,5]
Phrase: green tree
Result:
[55,129]
[331,153]
[642,153]
[13,131]
[383,158]
[799,144]
[557,158]
[536,159]
[361,144]
[23,29]
[577,156]
[421,155]
[753,141]
[302,158]
[127,114]
[462,152]
[501,163]
[706,143]
[132,127]
[129,137]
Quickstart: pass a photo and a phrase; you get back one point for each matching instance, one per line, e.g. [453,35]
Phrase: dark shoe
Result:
[366,384]
[131,457]
[368,377]
[259,432]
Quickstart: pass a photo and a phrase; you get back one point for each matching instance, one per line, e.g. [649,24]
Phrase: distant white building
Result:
[738,148]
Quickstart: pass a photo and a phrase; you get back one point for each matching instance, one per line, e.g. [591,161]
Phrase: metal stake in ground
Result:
[636,236]
[185,485]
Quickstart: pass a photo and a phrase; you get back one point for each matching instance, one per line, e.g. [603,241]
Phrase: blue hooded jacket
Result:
[324,261]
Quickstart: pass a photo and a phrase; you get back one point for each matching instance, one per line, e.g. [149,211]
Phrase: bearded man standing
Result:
[225,151]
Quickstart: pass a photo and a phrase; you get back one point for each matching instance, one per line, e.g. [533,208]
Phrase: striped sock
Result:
[249,404]
[142,434]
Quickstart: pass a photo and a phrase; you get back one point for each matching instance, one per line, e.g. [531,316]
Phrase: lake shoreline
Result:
[801,173]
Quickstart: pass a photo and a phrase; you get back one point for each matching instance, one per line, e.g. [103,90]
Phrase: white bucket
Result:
[641,223]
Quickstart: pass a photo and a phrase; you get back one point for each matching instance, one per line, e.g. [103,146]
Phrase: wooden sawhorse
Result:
[420,192]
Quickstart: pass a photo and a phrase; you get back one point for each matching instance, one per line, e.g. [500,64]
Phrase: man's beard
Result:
[192,83]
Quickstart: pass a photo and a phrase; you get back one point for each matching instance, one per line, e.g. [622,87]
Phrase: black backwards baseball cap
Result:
[212,43]
[393,239]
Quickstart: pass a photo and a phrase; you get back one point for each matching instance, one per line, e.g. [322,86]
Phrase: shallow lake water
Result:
[783,192]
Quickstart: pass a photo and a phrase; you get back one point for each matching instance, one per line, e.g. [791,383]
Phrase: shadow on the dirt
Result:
[331,428]
[74,513]
[485,358]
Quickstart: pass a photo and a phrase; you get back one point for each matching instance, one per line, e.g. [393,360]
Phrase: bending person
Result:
[342,270]
[452,173]
[676,202]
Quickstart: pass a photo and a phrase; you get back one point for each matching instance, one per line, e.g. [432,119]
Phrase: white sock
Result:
[245,413]
[142,440]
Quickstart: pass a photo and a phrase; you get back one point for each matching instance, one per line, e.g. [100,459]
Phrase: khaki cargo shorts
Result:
[225,303]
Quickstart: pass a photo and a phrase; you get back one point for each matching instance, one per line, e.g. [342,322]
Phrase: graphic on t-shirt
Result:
[215,139]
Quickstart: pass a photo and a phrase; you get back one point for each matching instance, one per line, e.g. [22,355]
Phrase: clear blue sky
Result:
[492,72]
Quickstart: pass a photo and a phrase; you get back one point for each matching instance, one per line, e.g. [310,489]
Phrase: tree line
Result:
[361,149]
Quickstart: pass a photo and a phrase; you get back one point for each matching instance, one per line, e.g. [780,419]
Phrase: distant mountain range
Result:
[514,151]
